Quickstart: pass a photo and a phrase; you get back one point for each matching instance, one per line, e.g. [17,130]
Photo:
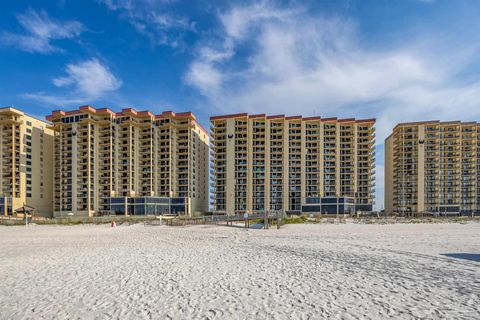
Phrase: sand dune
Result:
[205,272]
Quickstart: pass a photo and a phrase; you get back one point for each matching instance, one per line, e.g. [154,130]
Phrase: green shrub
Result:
[295,219]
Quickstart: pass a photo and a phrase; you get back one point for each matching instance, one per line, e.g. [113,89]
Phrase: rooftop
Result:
[124,112]
[13,110]
[426,122]
[282,116]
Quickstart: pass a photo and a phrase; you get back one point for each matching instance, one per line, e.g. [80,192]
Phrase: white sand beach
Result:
[351,271]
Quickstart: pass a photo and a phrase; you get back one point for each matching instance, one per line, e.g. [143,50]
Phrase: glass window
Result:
[311,209]
[329,209]
[329,200]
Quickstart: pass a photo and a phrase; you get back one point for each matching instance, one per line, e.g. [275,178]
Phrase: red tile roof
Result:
[125,111]
[281,116]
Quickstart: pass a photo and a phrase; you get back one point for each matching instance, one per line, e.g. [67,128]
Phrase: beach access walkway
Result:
[267,218]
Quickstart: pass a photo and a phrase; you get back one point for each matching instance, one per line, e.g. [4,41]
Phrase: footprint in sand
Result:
[213,313]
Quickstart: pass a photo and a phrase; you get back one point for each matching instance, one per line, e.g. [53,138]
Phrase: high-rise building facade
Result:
[294,164]
[26,145]
[129,162]
[433,167]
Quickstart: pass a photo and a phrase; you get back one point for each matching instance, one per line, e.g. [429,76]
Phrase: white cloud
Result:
[237,22]
[40,32]
[205,77]
[153,19]
[88,80]
[300,64]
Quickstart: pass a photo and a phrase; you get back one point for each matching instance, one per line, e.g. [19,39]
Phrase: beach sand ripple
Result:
[348,271]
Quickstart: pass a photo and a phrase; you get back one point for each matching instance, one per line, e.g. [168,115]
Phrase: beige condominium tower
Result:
[433,167]
[26,145]
[129,162]
[294,164]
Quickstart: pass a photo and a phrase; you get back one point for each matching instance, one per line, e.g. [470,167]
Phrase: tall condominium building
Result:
[129,162]
[433,167]
[293,164]
[26,145]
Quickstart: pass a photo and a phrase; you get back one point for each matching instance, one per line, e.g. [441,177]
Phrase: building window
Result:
[29,123]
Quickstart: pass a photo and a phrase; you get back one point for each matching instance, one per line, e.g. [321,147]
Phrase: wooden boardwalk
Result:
[266,218]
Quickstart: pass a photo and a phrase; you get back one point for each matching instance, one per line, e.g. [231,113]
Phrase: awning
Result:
[24,209]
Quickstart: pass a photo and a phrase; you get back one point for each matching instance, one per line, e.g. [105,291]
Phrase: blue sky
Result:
[404,60]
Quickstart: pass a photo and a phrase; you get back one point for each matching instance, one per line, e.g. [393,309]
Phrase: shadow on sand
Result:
[465,256]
